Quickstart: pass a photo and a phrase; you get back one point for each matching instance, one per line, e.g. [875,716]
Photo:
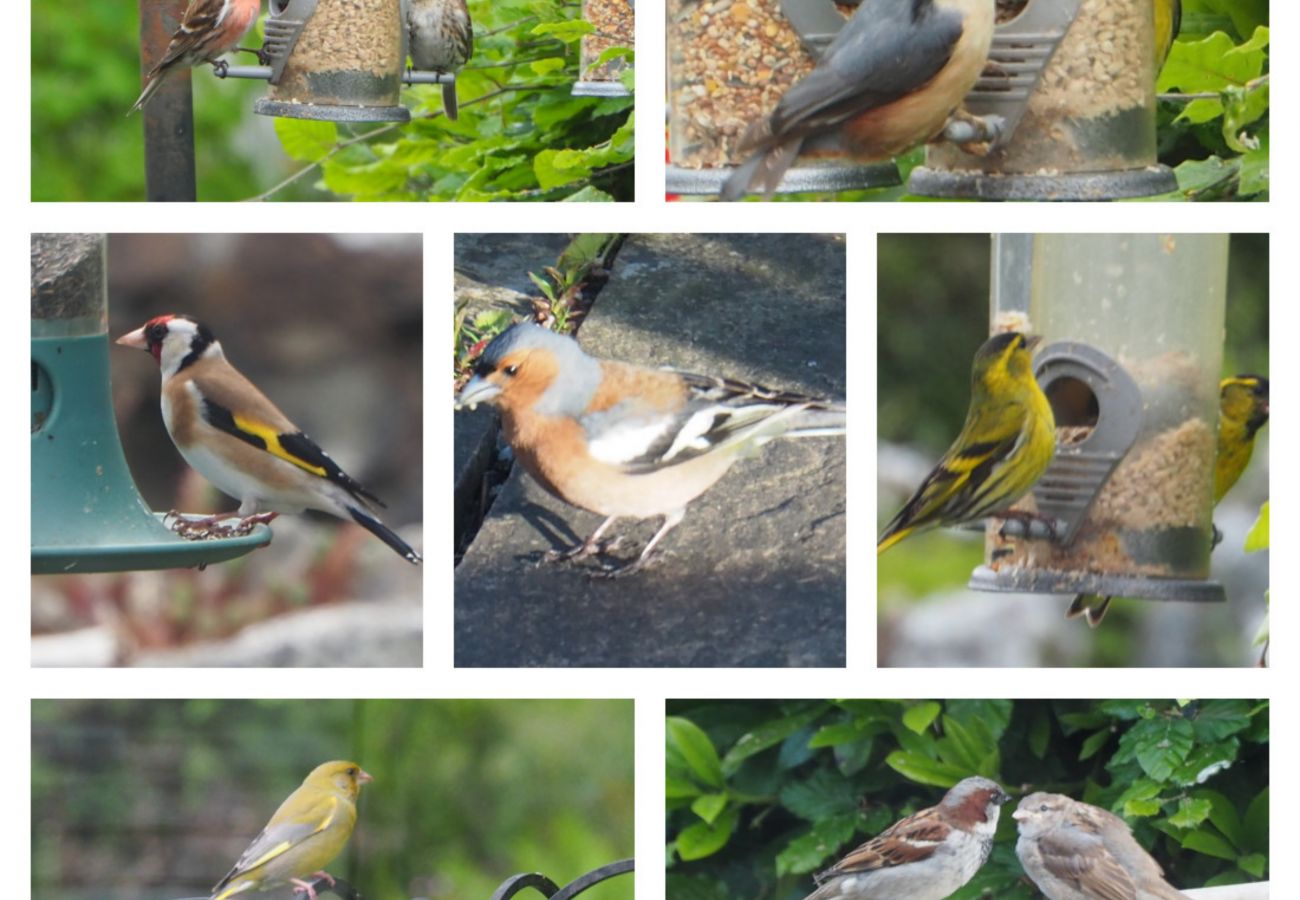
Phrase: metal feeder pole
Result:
[169,116]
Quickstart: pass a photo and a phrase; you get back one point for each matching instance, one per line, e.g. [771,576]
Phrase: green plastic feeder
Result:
[87,515]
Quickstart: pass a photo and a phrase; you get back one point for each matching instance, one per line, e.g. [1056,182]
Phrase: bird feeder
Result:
[87,515]
[615,26]
[1074,83]
[336,60]
[729,63]
[1132,327]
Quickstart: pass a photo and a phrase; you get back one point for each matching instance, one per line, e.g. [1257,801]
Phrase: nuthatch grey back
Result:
[887,83]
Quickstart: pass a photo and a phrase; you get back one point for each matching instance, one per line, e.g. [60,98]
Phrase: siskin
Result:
[1169,19]
[1243,411]
[1004,447]
[303,837]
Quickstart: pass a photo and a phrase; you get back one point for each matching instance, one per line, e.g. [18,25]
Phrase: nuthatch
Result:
[887,82]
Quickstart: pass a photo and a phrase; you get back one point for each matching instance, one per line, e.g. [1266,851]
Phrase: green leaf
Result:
[709,806]
[1190,813]
[1218,719]
[1203,840]
[808,852]
[702,839]
[1160,744]
[1254,864]
[1254,824]
[305,139]
[924,770]
[820,796]
[918,718]
[571,30]
[676,787]
[696,887]
[688,742]
[769,734]
[1093,743]
[544,66]
[1257,537]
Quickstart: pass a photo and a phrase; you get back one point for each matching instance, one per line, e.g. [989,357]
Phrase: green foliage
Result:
[760,794]
[521,134]
[155,799]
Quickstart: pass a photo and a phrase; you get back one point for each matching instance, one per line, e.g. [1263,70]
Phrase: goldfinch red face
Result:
[173,341]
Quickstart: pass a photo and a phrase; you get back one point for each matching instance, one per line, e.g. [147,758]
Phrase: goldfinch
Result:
[1243,411]
[237,439]
[1004,447]
[303,837]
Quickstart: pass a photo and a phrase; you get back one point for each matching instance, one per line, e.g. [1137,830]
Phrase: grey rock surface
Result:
[755,574]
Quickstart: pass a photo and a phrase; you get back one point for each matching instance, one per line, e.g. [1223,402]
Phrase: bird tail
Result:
[823,421]
[151,86]
[1092,606]
[764,170]
[384,533]
[889,539]
[450,105]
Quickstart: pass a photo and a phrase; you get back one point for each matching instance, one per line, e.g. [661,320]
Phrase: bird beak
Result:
[1004,797]
[135,339]
[1020,814]
[363,776]
[476,390]
[1033,341]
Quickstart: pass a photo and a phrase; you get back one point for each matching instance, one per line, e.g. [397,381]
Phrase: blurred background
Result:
[760,794]
[933,312]
[330,328]
[155,799]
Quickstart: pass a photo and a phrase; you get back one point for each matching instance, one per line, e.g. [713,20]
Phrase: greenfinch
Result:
[1243,411]
[305,834]
[1005,446]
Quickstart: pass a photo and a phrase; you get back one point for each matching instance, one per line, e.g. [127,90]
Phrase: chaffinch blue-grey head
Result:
[624,440]
[240,441]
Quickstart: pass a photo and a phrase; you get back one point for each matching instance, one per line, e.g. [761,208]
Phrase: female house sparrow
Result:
[440,38]
[1074,851]
[208,29]
[305,834]
[926,856]
[237,439]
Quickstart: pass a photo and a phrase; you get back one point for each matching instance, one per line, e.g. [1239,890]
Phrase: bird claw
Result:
[220,67]
[636,565]
[1022,524]
[582,551]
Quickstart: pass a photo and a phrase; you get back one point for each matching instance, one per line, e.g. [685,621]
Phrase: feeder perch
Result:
[335,60]
[1075,83]
[87,515]
[716,88]
[615,26]
[1134,325]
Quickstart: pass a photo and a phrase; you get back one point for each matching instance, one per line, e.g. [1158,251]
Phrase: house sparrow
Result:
[208,29]
[236,438]
[926,856]
[440,38]
[1074,851]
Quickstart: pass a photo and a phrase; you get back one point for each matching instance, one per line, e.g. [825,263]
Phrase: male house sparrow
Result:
[237,439]
[440,38]
[305,834]
[926,856]
[1074,851]
[208,29]
[625,440]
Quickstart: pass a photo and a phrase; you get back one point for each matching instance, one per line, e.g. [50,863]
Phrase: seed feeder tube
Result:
[335,60]
[729,64]
[1133,328]
[614,21]
[1074,83]
[87,515]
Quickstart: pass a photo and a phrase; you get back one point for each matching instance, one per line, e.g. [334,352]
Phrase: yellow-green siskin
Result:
[1169,18]
[303,837]
[1004,447]
[1243,411]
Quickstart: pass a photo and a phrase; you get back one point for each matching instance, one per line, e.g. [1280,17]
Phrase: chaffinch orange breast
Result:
[624,440]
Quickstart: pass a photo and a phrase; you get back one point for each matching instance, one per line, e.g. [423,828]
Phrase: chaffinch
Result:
[625,440]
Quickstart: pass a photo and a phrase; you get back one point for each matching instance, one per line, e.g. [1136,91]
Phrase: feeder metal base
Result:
[797,180]
[928,182]
[1046,581]
[600,89]
[326,113]
[166,550]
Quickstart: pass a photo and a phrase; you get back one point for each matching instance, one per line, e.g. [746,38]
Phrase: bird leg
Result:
[325,875]
[590,547]
[247,522]
[300,886]
[221,67]
[671,520]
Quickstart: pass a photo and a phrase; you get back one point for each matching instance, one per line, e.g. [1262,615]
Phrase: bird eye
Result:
[1042,807]
[157,332]
[511,370]
[352,771]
